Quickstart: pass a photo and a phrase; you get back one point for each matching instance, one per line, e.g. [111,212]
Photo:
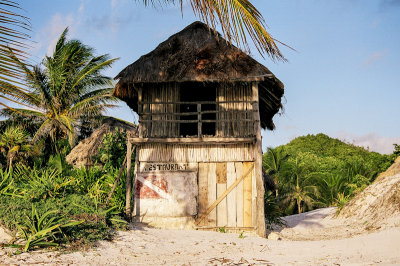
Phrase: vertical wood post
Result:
[135,174]
[199,133]
[140,111]
[128,209]
[260,215]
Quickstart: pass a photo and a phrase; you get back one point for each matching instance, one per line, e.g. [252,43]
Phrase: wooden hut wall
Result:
[158,104]
[235,113]
[159,110]
[157,152]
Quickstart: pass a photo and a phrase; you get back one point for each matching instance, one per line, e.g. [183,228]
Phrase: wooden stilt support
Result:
[121,170]
[260,214]
[128,208]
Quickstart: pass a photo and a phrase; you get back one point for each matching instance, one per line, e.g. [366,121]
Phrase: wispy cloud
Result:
[120,13]
[374,58]
[50,33]
[371,141]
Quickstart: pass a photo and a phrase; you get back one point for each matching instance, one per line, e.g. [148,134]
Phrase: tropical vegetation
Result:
[66,91]
[55,205]
[317,171]
[64,99]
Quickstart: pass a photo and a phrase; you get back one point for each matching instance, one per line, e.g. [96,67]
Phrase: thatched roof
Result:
[198,54]
[82,154]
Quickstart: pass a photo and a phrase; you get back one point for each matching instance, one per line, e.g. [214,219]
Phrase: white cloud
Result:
[48,35]
[57,25]
[375,57]
[371,141]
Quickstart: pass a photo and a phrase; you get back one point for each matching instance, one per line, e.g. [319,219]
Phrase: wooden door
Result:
[233,210]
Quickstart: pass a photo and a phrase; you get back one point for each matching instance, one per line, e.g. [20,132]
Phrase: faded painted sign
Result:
[167,167]
[166,194]
[151,187]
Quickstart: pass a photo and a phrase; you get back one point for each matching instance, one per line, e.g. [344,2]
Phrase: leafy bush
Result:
[113,149]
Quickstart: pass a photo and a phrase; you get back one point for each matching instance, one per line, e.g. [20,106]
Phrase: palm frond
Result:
[14,30]
[237,18]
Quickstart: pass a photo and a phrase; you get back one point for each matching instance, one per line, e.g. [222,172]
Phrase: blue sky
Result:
[343,79]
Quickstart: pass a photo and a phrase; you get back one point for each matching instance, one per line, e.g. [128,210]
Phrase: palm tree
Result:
[299,190]
[14,142]
[236,17]
[274,164]
[333,187]
[66,87]
[14,30]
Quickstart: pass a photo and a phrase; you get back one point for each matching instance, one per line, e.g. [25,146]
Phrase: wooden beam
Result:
[121,170]
[196,102]
[206,140]
[260,215]
[128,210]
[199,123]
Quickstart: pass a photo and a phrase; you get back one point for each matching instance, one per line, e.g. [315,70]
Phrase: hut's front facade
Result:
[201,104]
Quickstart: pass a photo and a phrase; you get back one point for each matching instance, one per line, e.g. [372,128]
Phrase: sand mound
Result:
[81,154]
[394,169]
[378,205]
[375,208]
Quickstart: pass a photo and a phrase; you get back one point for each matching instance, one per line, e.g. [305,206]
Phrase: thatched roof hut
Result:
[199,54]
[82,154]
[201,104]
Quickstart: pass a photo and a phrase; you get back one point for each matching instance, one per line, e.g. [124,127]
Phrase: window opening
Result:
[198,109]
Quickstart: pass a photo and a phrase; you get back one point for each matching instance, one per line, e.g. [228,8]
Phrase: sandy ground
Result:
[147,246]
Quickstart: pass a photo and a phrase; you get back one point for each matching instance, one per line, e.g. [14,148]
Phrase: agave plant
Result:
[44,230]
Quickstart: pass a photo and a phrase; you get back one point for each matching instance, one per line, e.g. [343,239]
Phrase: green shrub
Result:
[113,149]
[77,195]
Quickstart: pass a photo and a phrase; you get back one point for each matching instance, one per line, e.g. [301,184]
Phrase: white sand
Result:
[146,246]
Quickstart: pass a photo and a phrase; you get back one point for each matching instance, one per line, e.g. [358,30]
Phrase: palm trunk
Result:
[9,163]
[299,206]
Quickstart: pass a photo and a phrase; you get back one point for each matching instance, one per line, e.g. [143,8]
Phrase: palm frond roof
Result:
[199,54]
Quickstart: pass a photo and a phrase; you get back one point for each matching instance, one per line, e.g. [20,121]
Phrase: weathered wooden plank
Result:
[231,198]
[221,173]
[254,197]
[212,193]
[222,214]
[247,210]
[239,195]
[206,140]
[203,190]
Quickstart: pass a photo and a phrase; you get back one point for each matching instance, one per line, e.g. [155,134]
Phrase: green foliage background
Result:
[318,171]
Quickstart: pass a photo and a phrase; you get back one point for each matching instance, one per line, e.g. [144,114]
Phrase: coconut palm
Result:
[274,164]
[236,18]
[299,189]
[67,86]
[14,30]
[14,142]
